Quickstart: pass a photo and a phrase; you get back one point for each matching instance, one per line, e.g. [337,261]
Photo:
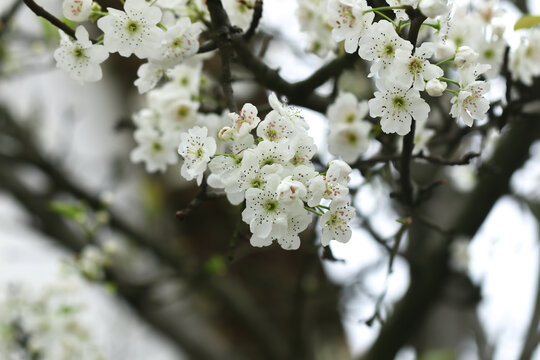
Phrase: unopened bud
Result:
[435,87]
[465,56]
[226,133]
[434,8]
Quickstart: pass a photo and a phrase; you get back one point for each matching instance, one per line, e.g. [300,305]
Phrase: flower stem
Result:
[386,17]
[444,61]
[452,91]
[312,211]
[450,81]
[435,26]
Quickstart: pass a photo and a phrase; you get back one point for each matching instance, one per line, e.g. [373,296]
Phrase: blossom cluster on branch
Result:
[418,49]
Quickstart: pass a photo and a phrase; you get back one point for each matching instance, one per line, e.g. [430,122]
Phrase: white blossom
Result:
[349,21]
[134,31]
[434,8]
[379,44]
[196,148]
[80,58]
[77,10]
[155,149]
[415,69]
[396,106]
[246,121]
[335,221]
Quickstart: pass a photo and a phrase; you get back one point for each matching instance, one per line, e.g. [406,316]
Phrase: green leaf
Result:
[215,265]
[439,355]
[527,21]
[75,212]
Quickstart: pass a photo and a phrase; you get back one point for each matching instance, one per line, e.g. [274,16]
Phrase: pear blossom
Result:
[346,109]
[415,69]
[434,8]
[155,149]
[333,185]
[304,148]
[349,141]
[349,21]
[177,43]
[196,148]
[77,10]
[149,75]
[335,221]
[275,128]
[397,106]
[265,213]
[379,44]
[287,112]
[80,58]
[246,121]
[470,103]
[291,190]
[240,12]
[465,56]
[134,31]
[286,236]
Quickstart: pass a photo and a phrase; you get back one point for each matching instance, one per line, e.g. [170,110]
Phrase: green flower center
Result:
[177,42]
[270,205]
[350,118]
[78,53]
[156,147]
[489,53]
[399,102]
[199,154]
[132,27]
[271,134]
[415,66]
[183,112]
[257,183]
[268,161]
[388,49]
[352,138]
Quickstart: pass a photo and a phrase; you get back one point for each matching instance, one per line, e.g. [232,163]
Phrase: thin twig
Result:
[39,11]
[257,14]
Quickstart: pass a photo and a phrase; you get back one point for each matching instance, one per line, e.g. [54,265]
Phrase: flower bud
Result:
[444,51]
[435,87]
[465,56]
[499,29]
[226,133]
[77,10]
[434,8]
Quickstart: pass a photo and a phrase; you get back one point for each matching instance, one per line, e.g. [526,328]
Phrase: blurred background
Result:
[95,265]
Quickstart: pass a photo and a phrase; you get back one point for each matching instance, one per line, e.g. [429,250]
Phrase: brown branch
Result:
[465,160]
[406,191]
[39,11]
[257,14]
[237,300]
[222,25]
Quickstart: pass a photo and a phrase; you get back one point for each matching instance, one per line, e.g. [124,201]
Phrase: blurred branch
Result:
[429,270]
[229,292]
[6,18]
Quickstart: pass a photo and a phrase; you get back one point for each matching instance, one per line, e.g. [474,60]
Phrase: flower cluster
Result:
[403,70]
[273,174]
[143,29]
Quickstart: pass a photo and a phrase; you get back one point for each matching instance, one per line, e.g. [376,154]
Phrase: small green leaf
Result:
[527,21]
[439,355]
[215,265]
[75,212]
